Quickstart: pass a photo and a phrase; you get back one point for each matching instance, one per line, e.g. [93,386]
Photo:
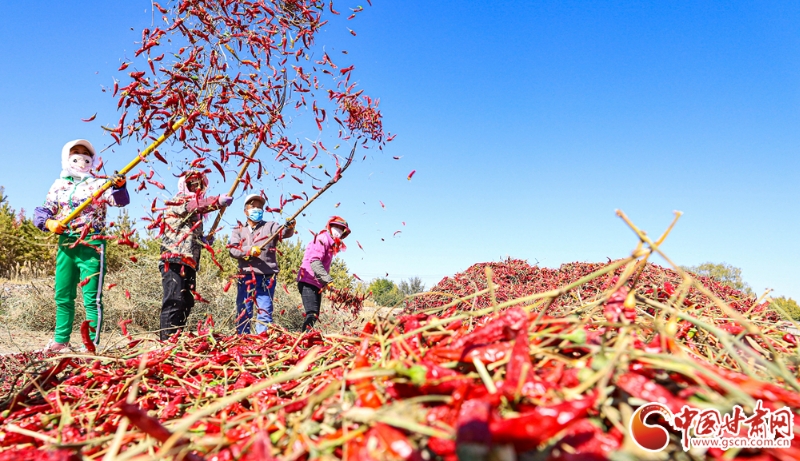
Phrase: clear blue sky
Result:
[528,123]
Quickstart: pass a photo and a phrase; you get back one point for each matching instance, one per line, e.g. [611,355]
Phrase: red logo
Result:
[651,437]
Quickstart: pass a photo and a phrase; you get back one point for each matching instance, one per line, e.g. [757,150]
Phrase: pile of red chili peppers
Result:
[463,379]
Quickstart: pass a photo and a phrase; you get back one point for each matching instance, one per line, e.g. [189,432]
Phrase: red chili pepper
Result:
[519,366]
[147,424]
[644,388]
[366,393]
[86,336]
[396,442]
[43,381]
[530,429]
[123,325]
[586,441]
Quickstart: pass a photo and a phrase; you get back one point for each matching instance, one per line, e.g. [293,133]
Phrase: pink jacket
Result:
[321,248]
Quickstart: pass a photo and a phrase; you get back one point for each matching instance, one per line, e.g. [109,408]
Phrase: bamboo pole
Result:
[124,170]
[333,181]
[247,163]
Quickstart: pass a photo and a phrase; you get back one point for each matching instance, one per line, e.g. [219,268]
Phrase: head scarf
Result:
[66,169]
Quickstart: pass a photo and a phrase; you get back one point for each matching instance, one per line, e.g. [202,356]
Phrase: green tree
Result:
[723,273]
[385,292]
[787,305]
[412,286]
[23,247]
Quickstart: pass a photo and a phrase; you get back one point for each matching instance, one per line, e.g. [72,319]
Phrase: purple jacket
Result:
[320,249]
[243,239]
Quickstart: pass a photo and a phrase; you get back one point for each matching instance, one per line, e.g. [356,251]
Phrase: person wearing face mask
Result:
[314,277]
[79,263]
[181,244]
[258,264]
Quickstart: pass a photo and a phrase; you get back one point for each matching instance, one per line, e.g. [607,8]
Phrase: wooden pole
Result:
[247,163]
[333,181]
[124,170]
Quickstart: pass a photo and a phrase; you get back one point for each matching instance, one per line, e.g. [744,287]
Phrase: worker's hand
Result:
[225,200]
[118,181]
[55,226]
[326,287]
[290,225]
[208,239]
[255,251]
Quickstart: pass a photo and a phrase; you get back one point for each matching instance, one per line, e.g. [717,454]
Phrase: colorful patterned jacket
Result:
[68,193]
[183,239]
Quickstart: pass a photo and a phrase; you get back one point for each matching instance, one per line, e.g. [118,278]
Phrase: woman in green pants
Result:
[80,260]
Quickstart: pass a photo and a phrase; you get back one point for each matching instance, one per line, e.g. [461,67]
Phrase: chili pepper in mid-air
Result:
[86,328]
[123,325]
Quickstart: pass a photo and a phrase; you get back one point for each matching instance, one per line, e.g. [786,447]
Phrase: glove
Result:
[255,251]
[290,225]
[224,200]
[209,239]
[118,181]
[55,226]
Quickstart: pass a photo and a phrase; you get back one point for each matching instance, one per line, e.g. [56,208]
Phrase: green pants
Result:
[84,265]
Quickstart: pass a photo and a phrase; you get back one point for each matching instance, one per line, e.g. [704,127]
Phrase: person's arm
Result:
[119,195]
[42,214]
[209,204]
[235,247]
[320,273]
[315,250]
[288,229]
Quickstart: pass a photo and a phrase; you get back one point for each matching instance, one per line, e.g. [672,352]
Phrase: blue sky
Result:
[528,124]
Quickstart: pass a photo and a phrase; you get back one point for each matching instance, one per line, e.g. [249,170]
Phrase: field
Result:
[502,361]
[615,360]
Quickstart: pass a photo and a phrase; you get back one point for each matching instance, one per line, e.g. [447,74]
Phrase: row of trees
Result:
[25,251]
[732,276]
[387,293]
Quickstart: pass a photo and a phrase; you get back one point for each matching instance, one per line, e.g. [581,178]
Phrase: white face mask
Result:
[79,163]
[336,232]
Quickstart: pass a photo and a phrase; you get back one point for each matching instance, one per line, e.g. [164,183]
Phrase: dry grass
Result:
[31,306]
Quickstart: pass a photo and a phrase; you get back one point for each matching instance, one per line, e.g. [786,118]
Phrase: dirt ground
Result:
[14,341]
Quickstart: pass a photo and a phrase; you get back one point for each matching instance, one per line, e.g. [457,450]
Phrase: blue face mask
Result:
[255,214]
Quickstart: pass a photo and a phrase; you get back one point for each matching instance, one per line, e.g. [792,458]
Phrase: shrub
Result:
[385,292]
[789,306]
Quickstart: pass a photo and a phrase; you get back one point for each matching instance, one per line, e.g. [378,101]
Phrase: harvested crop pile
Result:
[515,278]
[510,380]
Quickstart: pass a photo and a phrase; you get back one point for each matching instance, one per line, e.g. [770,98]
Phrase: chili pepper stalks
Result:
[552,373]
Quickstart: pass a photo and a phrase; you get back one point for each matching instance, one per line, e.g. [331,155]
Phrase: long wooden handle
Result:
[333,181]
[238,179]
[124,170]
